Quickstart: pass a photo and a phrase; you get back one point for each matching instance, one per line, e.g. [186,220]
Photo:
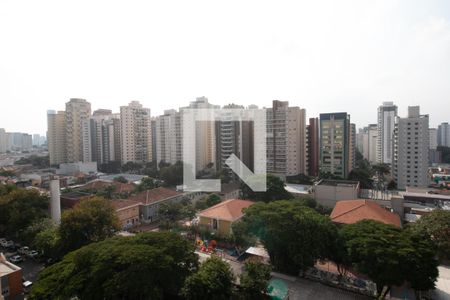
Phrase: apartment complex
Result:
[411,149]
[56,136]
[387,114]
[336,145]
[3,144]
[443,135]
[168,139]
[233,137]
[135,133]
[286,139]
[78,112]
[312,131]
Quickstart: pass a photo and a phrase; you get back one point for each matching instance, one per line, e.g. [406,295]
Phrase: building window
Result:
[214,224]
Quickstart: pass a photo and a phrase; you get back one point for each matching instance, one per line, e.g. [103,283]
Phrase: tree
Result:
[214,280]
[275,190]
[37,161]
[294,235]
[389,256]
[437,226]
[150,265]
[19,208]
[120,179]
[132,167]
[363,176]
[91,220]
[172,175]
[147,183]
[255,279]
[212,200]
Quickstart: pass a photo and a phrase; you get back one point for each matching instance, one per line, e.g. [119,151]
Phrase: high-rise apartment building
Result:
[104,137]
[411,146]
[135,133]
[205,136]
[386,123]
[56,136]
[351,147]
[312,131]
[443,135]
[335,144]
[78,113]
[373,141]
[433,138]
[362,141]
[233,137]
[3,141]
[168,138]
[286,139]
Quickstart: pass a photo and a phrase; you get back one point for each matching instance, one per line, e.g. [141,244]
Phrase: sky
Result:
[324,56]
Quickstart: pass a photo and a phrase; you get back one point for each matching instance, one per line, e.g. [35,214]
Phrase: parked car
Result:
[9,244]
[27,285]
[16,259]
[3,242]
[23,250]
[32,254]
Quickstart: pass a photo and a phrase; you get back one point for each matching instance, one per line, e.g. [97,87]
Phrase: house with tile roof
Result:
[151,199]
[352,211]
[220,217]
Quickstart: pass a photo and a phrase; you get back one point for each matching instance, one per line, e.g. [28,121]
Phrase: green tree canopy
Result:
[389,256]
[172,175]
[19,208]
[255,279]
[147,266]
[437,226]
[91,220]
[147,183]
[213,280]
[120,179]
[294,235]
[275,190]
[212,200]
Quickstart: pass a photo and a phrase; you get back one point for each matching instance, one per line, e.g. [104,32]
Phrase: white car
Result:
[16,259]
[3,242]
[9,244]
[23,250]
[32,254]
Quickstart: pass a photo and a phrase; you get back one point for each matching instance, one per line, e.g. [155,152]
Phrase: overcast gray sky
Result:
[324,56]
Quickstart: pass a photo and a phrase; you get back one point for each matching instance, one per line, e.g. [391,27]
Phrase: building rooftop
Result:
[124,203]
[6,267]
[155,195]
[229,210]
[352,211]
[331,182]
[101,184]
[75,195]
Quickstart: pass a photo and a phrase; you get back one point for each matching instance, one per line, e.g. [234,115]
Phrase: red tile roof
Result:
[229,210]
[155,195]
[101,184]
[124,203]
[352,211]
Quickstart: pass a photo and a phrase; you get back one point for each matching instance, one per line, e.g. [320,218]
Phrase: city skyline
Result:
[322,56]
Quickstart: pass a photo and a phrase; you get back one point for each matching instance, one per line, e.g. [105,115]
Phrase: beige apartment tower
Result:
[286,139]
[78,113]
[56,136]
[135,133]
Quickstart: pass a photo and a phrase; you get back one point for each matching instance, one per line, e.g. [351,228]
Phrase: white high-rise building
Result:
[56,137]
[362,141]
[286,139]
[78,113]
[135,133]
[386,123]
[372,143]
[411,149]
[169,137]
[443,135]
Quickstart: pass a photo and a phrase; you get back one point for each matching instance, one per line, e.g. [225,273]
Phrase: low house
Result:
[151,199]
[10,280]
[127,211]
[220,217]
[352,211]
[327,192]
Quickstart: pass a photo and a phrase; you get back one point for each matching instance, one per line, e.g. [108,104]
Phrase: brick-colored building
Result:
[10,280]
[220,217]
[127,211]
